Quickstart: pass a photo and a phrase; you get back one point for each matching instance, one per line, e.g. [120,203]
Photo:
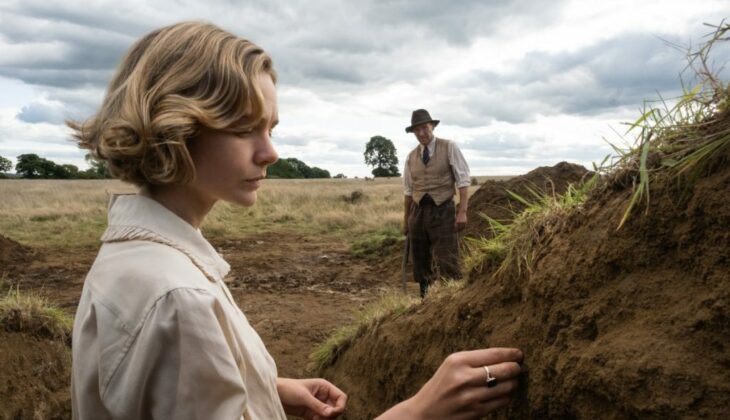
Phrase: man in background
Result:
[433,171]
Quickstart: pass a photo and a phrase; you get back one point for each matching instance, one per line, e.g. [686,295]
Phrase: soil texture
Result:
[614,324]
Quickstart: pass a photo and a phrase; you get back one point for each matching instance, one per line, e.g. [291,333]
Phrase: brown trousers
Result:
[434,242]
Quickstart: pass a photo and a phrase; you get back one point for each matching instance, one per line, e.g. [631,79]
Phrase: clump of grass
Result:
[677,141]
[31,313]
[444,288]
[673,141]
[486,251]
[390,305]
[515,246]
[378,244]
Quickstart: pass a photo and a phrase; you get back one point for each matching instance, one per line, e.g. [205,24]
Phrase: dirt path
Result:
[294,289]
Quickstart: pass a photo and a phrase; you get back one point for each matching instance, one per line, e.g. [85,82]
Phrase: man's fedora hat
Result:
[420,116]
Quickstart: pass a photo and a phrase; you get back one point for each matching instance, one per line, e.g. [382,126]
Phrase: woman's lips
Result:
[256,182]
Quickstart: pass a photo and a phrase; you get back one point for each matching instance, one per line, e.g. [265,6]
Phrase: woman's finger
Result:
[480,394]
[500,372]
[491,405]
[486,357]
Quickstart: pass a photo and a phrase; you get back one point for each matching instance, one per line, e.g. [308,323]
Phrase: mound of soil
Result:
[13,253]
[493,200]
[34,377]
[629,323]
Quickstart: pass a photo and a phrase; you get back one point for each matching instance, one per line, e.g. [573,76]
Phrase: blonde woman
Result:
[188,119]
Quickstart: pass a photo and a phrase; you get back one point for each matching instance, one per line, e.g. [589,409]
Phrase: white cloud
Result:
[517,83]
[51,141]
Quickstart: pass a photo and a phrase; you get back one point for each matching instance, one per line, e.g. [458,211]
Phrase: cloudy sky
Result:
[516,83]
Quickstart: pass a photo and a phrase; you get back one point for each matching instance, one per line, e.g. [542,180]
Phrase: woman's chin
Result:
[245,199]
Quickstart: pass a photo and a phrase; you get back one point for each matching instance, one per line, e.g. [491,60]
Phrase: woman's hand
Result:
[458,389]
[311,399]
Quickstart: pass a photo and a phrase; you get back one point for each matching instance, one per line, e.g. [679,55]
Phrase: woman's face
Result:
[230,167]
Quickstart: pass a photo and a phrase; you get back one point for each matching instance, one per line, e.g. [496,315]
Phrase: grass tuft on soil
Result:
[676,139]
[514,247]
[674,142]
[380,243]
[31,313]
[390,305]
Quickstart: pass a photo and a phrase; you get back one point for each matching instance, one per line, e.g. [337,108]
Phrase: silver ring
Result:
[491,380]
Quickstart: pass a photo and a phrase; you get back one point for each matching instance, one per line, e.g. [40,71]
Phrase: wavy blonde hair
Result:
[171,83]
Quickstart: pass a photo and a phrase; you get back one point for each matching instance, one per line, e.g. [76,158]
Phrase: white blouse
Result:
[157,333]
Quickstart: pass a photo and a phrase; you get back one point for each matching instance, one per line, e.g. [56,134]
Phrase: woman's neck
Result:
[181,200]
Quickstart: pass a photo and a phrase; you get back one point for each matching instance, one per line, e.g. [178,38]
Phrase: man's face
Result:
[424,132]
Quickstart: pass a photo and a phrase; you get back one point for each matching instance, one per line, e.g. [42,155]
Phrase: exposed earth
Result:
[614,323]
[493,198]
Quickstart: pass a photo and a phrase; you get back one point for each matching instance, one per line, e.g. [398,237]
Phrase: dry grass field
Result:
[71,214]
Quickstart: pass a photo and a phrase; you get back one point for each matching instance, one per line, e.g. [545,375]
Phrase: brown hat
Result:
[420,116]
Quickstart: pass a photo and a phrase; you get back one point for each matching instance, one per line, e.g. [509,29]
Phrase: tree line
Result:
[295,168]
[32,166]
[379,153]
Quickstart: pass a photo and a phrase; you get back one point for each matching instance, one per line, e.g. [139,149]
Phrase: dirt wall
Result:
[492,197]
[629,323]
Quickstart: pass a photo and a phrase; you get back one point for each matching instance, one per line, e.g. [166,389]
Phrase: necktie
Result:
[426,156]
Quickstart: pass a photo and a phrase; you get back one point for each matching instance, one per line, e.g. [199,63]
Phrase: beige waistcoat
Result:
[435,178]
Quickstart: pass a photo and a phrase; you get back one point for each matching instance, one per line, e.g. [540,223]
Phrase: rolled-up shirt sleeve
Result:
[459,166]
[407,181]
[183,364]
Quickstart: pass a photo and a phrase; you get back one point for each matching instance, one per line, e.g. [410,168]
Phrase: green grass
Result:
[31,313]
[678,141]
[674,141]
[515,246]
[390,305]
[380,243]
[444,289]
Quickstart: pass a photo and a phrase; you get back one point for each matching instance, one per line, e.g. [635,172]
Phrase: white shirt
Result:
[456,160]
[157,333]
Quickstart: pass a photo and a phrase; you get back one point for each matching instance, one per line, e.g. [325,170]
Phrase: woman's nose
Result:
[266,155]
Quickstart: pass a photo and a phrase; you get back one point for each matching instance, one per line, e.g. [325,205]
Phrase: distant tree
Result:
[71,170]
[315,172]
[300,167]
[6,165]
[380,154]
[295,168]
[55,171]
[340,176]
[382,172]
[97,168]
[282,169]
[31,165]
